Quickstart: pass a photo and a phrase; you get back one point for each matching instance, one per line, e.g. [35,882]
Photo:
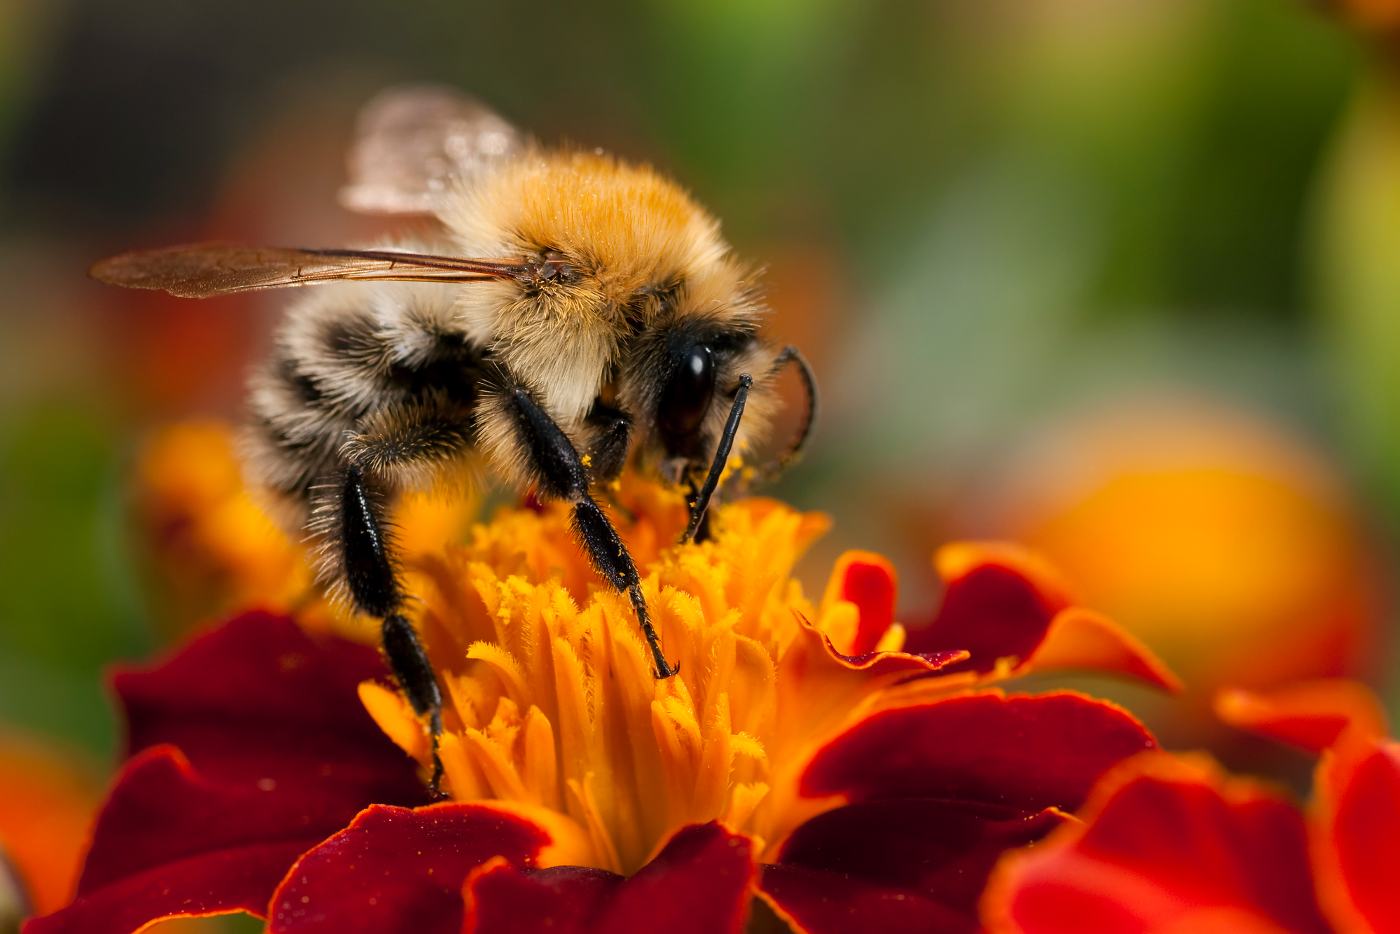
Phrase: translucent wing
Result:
[202,270]
[413,142]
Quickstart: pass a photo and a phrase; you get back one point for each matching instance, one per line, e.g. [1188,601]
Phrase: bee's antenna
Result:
[791,354]
[726,443]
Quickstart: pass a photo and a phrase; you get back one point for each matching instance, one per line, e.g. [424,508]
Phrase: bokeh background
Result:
[1119,279]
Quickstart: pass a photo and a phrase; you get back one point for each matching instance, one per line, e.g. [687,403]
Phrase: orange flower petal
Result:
[46,807]
[1312,715]
[1166,843]
[1081,639]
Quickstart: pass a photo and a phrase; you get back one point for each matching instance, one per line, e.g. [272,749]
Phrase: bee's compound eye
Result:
[686,398]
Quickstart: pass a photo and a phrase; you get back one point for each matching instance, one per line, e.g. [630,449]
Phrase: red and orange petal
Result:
[396,869]
[905,864]
[908,809]
[1356,834]
[1312,715]
[1166,843]
[472,867]
[1012,613]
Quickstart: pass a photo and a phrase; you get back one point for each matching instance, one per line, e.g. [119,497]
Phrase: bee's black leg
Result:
[610,435]
[561,473]
[700,502]
[374,586]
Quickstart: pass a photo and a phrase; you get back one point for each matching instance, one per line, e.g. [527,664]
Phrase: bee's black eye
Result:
[686,398]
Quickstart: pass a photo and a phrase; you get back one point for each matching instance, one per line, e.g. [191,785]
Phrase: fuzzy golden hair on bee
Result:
[571,315]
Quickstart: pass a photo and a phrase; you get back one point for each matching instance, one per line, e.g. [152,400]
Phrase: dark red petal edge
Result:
[399,869]
[1021,752]
[699,883]
[920,860]
[882,664]
[994,609]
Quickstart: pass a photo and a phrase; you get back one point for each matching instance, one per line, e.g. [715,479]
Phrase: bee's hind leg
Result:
[559,470]
[372,578]
[395,449]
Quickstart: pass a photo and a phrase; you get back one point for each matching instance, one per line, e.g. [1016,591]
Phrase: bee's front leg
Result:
[551,461]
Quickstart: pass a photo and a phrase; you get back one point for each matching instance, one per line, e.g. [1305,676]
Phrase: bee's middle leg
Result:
[560,472]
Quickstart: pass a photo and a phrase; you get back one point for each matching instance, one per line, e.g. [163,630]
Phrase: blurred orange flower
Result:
[1219,540]
[47,800]
[210,548]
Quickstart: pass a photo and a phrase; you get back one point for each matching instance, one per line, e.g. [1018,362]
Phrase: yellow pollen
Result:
[552,706]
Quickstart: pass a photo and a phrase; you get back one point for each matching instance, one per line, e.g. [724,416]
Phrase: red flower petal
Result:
[259,699]
[1167,843]
[1021,752]
[998,603]
[396,869]
[1359,837]
[1003,603]
[934,851]
[562,900]
[1311,715]
[814,901]
[699,882]
[275,752]
[169,843]
[868,581]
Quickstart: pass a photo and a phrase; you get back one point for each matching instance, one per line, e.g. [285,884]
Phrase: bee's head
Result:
[634,303]
[681,376]
[602,233]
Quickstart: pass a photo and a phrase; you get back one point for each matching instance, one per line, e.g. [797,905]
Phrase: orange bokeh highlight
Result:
[1224,543]
[47,800]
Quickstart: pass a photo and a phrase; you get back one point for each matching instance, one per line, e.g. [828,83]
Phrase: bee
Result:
[571,314]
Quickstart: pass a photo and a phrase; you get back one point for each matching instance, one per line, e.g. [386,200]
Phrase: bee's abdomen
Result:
[332,373]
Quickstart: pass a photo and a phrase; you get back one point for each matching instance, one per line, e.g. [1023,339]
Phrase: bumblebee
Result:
[573,314]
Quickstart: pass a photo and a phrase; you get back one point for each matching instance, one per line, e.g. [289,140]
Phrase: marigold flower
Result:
[1173,843]
[805,755]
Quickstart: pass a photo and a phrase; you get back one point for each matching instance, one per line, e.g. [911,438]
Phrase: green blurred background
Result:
[1029,244]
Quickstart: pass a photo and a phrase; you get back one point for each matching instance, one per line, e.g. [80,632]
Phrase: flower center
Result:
[551,700]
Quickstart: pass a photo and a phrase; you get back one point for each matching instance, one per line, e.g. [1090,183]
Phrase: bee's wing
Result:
[202,270]
[412,143]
